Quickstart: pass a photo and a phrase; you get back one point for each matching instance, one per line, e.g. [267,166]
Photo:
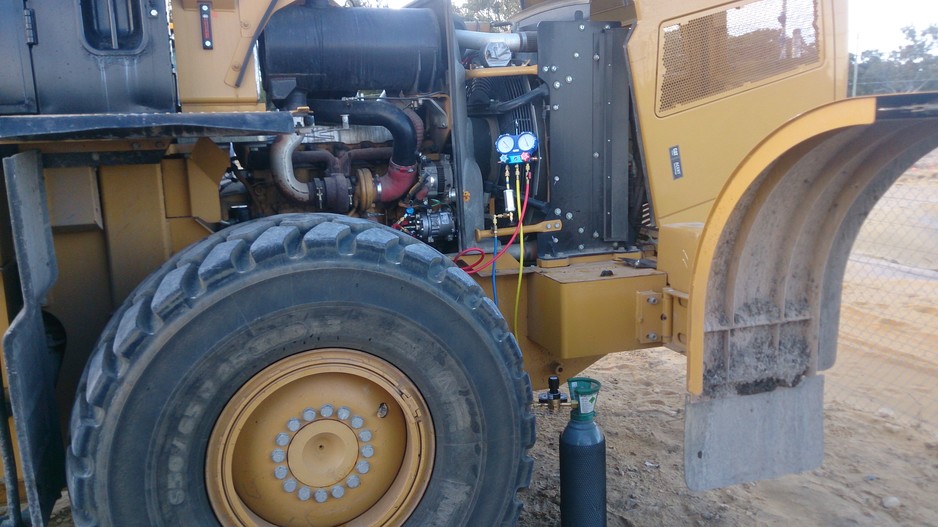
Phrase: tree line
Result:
[910,68]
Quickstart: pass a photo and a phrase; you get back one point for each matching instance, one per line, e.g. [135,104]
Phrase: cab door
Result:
[17,34]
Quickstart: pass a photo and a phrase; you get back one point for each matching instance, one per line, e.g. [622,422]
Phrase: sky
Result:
[877,24]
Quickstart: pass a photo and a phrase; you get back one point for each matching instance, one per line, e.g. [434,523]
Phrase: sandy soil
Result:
[881,422]
[870,456]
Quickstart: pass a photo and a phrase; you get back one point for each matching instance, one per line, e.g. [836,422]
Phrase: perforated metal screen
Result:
[711,56]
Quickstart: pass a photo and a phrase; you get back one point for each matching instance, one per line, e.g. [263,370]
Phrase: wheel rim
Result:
[321,438]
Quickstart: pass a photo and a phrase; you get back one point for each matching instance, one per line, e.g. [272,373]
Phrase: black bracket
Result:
[31,367]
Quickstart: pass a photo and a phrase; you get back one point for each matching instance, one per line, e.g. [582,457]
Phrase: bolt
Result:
[326,410]
[556,179]
[304,493]
[321,496]
[652,300]
[548,226]
[309,414]
[208,42]
[357,422]
[204,7]
[569,79]
[557,211]
[553,68]
[652,336]
[364,436]
[293,424]
[353,482]
[280,472]
[279,456]
[362,467]
[595,155]
[382,410]
[607,26]
[580,247]
[576,54]
[595,234]
[289,485]
[555,107]
[580,230]
[596,57]
[368,451]
[154,12]
[283,439]
[545,69]
[554,239]
[344,413]
[582,27]
[556,85]
[569,216]
[338,491]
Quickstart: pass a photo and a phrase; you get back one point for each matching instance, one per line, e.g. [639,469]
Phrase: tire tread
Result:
[241,249]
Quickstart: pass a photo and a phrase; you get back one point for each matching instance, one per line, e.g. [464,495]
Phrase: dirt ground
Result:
[881,420]
[869,457]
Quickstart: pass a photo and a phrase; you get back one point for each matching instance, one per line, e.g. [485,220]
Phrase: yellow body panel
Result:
[711,132]
[576,312]
[539,362]
[677,246]
[73,196]
[202,72]
[138,239]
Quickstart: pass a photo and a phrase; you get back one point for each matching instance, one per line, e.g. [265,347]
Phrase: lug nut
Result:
[321,496]
[289,485]
[281,472]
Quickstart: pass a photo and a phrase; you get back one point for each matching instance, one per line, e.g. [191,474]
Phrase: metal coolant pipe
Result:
[521,41]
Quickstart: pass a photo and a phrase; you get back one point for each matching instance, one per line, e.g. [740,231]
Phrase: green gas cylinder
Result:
[583,460]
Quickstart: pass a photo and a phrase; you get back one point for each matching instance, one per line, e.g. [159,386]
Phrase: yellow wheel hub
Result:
[321,438]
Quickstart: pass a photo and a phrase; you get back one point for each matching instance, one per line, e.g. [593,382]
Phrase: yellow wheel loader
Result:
[274,262]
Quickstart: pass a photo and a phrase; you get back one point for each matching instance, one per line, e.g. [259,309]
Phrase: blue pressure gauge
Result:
[527,142]
[516,149]
[505,144]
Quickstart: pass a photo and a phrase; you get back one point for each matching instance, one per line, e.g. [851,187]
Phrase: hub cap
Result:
[321,438]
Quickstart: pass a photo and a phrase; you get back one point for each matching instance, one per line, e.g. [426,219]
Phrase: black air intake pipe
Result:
[373,113]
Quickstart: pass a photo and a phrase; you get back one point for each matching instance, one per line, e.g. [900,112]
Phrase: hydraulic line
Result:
[527,173]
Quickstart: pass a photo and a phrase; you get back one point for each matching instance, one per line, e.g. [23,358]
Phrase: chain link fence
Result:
[887,360]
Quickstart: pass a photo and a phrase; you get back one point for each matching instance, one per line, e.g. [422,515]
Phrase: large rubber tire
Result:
[247,297]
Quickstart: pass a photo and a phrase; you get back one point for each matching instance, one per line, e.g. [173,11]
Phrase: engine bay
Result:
[457,137]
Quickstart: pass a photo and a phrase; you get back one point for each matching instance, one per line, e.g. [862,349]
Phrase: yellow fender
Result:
[765,297]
